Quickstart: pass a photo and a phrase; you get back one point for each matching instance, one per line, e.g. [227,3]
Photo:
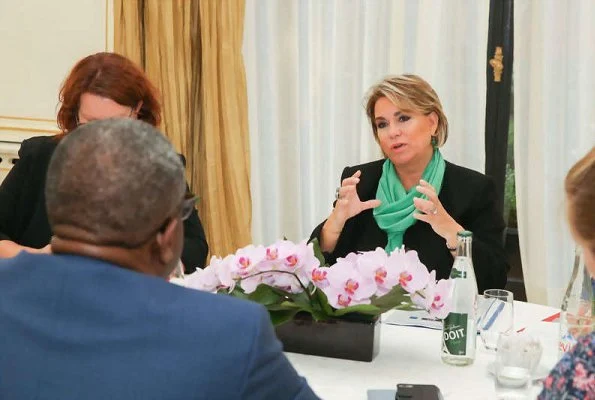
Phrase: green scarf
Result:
[395,214]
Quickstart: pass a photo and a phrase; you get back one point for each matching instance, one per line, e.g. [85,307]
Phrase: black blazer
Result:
[23,216]
[468,196]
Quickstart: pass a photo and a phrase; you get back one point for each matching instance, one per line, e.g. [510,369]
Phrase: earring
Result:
[434,141]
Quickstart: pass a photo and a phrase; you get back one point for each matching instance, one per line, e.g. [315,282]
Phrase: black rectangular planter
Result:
[351,337]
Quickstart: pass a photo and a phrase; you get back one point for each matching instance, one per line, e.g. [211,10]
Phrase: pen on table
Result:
[423,318]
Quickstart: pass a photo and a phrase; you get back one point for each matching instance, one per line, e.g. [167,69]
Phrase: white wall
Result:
[40,41]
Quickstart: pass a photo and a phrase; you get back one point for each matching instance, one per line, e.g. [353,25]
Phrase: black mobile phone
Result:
[407,391]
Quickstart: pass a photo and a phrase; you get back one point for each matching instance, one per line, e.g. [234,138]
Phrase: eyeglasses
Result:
[131,114]
[187,206]
[186,209]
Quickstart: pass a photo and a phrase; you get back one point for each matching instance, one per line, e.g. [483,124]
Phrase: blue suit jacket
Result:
[78,328]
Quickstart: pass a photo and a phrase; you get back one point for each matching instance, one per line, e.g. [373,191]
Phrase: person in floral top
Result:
[574,375]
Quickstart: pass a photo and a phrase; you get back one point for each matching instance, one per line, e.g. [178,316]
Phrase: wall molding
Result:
[16,130]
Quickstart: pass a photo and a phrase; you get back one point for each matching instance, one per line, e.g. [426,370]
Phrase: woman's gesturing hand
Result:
[432,212]
[348,205]
[348,202]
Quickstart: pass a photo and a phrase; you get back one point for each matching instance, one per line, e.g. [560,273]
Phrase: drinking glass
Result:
[516,358]
[495,316]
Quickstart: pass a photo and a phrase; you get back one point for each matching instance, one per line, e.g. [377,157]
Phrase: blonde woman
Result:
[413,197]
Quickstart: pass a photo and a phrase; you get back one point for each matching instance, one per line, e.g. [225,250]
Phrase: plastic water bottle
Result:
[576,311]
[459,333]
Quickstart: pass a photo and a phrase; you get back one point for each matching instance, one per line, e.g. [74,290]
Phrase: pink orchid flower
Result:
[352,280]
[247,260]
[441,296]
[289,282]
[423,298]
[288,256]
[347,286]
[203,279]
[412,274]
[374,264]
[223,267]
[217,275]
[287,262]
[302,257]
[318,277]
[250,283]
[280,265]
[273,257]
[435,297]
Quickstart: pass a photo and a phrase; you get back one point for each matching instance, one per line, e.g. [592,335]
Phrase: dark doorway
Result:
[499,131]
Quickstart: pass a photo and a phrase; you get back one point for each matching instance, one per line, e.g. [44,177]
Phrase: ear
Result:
[167,240]
[433,119]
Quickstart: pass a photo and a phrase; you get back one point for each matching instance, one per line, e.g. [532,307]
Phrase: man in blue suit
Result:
[97,319]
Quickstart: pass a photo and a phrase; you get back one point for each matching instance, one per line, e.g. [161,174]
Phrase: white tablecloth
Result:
[412,355]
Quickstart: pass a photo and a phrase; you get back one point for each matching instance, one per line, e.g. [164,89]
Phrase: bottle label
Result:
[455,273]
[454,334]
[566,343]
[573,325]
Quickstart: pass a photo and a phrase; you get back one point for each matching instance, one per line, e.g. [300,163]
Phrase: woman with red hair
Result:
[100,86]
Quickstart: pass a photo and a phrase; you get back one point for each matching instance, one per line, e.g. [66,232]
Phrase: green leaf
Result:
[319,315]
[407,307]
[286,305]
[396,297]
[367,309]
[318,252]
[323,302]
[264,294]
[290,304]
[301,299]
[236,292]
[279,317]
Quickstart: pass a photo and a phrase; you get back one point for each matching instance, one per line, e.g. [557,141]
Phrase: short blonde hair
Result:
[580,192]
[409,93]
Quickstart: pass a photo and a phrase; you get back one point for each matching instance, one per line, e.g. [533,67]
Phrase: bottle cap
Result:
[465,234]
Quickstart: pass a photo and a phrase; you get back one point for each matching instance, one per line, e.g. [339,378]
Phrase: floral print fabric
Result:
[574,375]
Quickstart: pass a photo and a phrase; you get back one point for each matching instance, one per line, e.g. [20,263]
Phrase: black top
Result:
[23,217]
[468,196]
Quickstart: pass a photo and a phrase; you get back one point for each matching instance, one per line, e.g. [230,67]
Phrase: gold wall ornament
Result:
[497,64]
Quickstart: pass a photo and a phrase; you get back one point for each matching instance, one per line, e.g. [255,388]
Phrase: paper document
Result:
[419,318]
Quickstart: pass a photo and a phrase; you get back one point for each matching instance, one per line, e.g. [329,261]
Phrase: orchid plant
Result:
[288,278]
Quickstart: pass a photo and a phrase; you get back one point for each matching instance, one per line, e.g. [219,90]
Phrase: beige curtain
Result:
[157,35]
[168,63]
[192,51]
[221,117]
[128,31]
